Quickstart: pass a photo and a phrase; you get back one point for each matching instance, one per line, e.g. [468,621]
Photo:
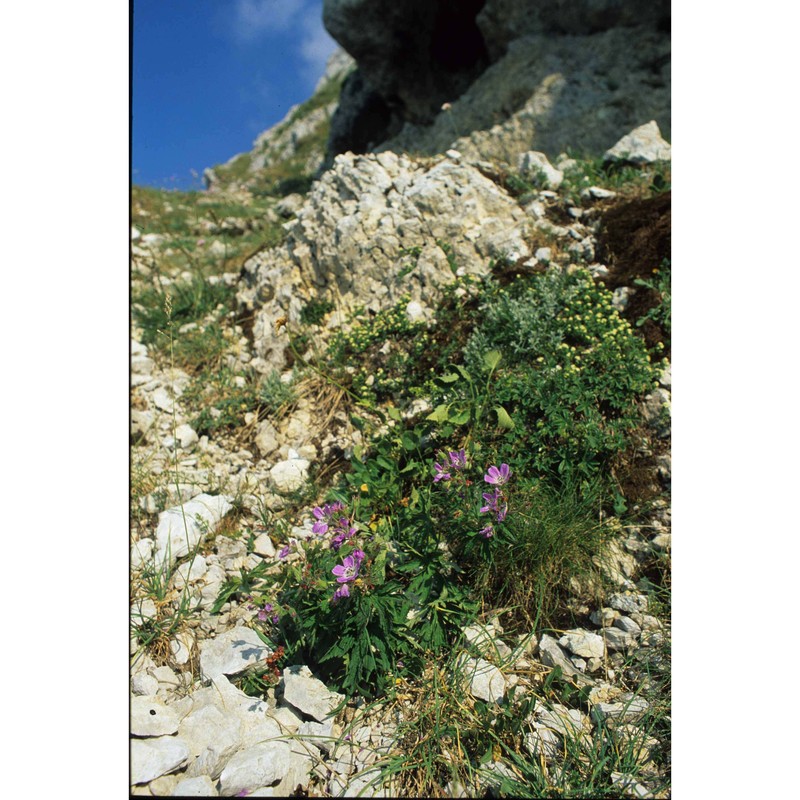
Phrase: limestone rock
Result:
[255,767]
[151,717]
[151,758]
[309,694]
[290,474]
[202,786]
[643,145]
[231,653]
[179,531]
[583,643]
[347,241]
[486,681]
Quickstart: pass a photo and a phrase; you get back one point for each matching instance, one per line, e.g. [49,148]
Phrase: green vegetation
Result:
[483,489]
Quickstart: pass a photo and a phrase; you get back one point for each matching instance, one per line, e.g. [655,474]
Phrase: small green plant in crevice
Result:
[661,284]
[627,180]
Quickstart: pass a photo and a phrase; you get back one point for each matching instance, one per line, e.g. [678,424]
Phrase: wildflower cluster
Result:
[454,463]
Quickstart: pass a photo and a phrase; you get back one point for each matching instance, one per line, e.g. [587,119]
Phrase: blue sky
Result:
[209,75]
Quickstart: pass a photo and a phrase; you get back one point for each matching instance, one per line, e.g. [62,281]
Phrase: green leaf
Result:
[492,359]
[464,374]
[459,419]
[394,413]
[448,377]
[503,419]
[439,414]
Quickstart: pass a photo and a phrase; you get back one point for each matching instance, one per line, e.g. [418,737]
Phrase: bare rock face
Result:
[414,54]
[512,75]
[350,242]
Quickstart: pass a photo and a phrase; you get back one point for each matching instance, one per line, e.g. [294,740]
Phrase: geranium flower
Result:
[324,516]
[347,570]
[497,476]
[441,473]
[487,531]
[458,458]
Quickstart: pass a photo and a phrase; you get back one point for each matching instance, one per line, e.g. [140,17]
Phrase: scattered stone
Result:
[629,708]
[231,653]
[628,603]
[201,786]
[309,694]
[186,436]
[256,767]
[628,625]
[618,640]
[643,145]
[566,721]
[152,758]
[263,546]
[291,474]
[537,166]
[583,643]
[553,655]
[151,717]
[542,741]
[630,786]
[486,681]
[180,530]
[143,684]
[604,617]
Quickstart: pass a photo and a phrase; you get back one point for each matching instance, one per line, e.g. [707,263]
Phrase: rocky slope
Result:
[233,442]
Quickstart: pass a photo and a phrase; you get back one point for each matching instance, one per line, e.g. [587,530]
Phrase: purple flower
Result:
[458,459]
[440,475]
[344,532]
[284,552]
[324,516]
[497,476]
[347,570]
[342,591]
[359,556]
[487,531]
[491,499]
[275,619]
[501,512]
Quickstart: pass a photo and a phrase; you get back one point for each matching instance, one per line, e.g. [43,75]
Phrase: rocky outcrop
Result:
[350,241]
[513,76]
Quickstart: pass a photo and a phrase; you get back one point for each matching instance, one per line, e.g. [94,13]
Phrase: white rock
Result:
[415,312]
[192,571]
[151,717]
[186,436]
[141,552]
[231,653]
[289,475]
[618,640]
[143,684]
[604,617]
[542,740]
[320,733]
[486,682]
[178,532]
[163,399]
[143,610]
[266,438]
[630,708]
[641,146]
[583,643]
[628,603]
[533,163]
[309,694]
[566,721]
[628,625]
[201,786]
[263,546]
[630,786]
[544,254]
[181,646]
[151,758]
[598,193]
[254,768]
